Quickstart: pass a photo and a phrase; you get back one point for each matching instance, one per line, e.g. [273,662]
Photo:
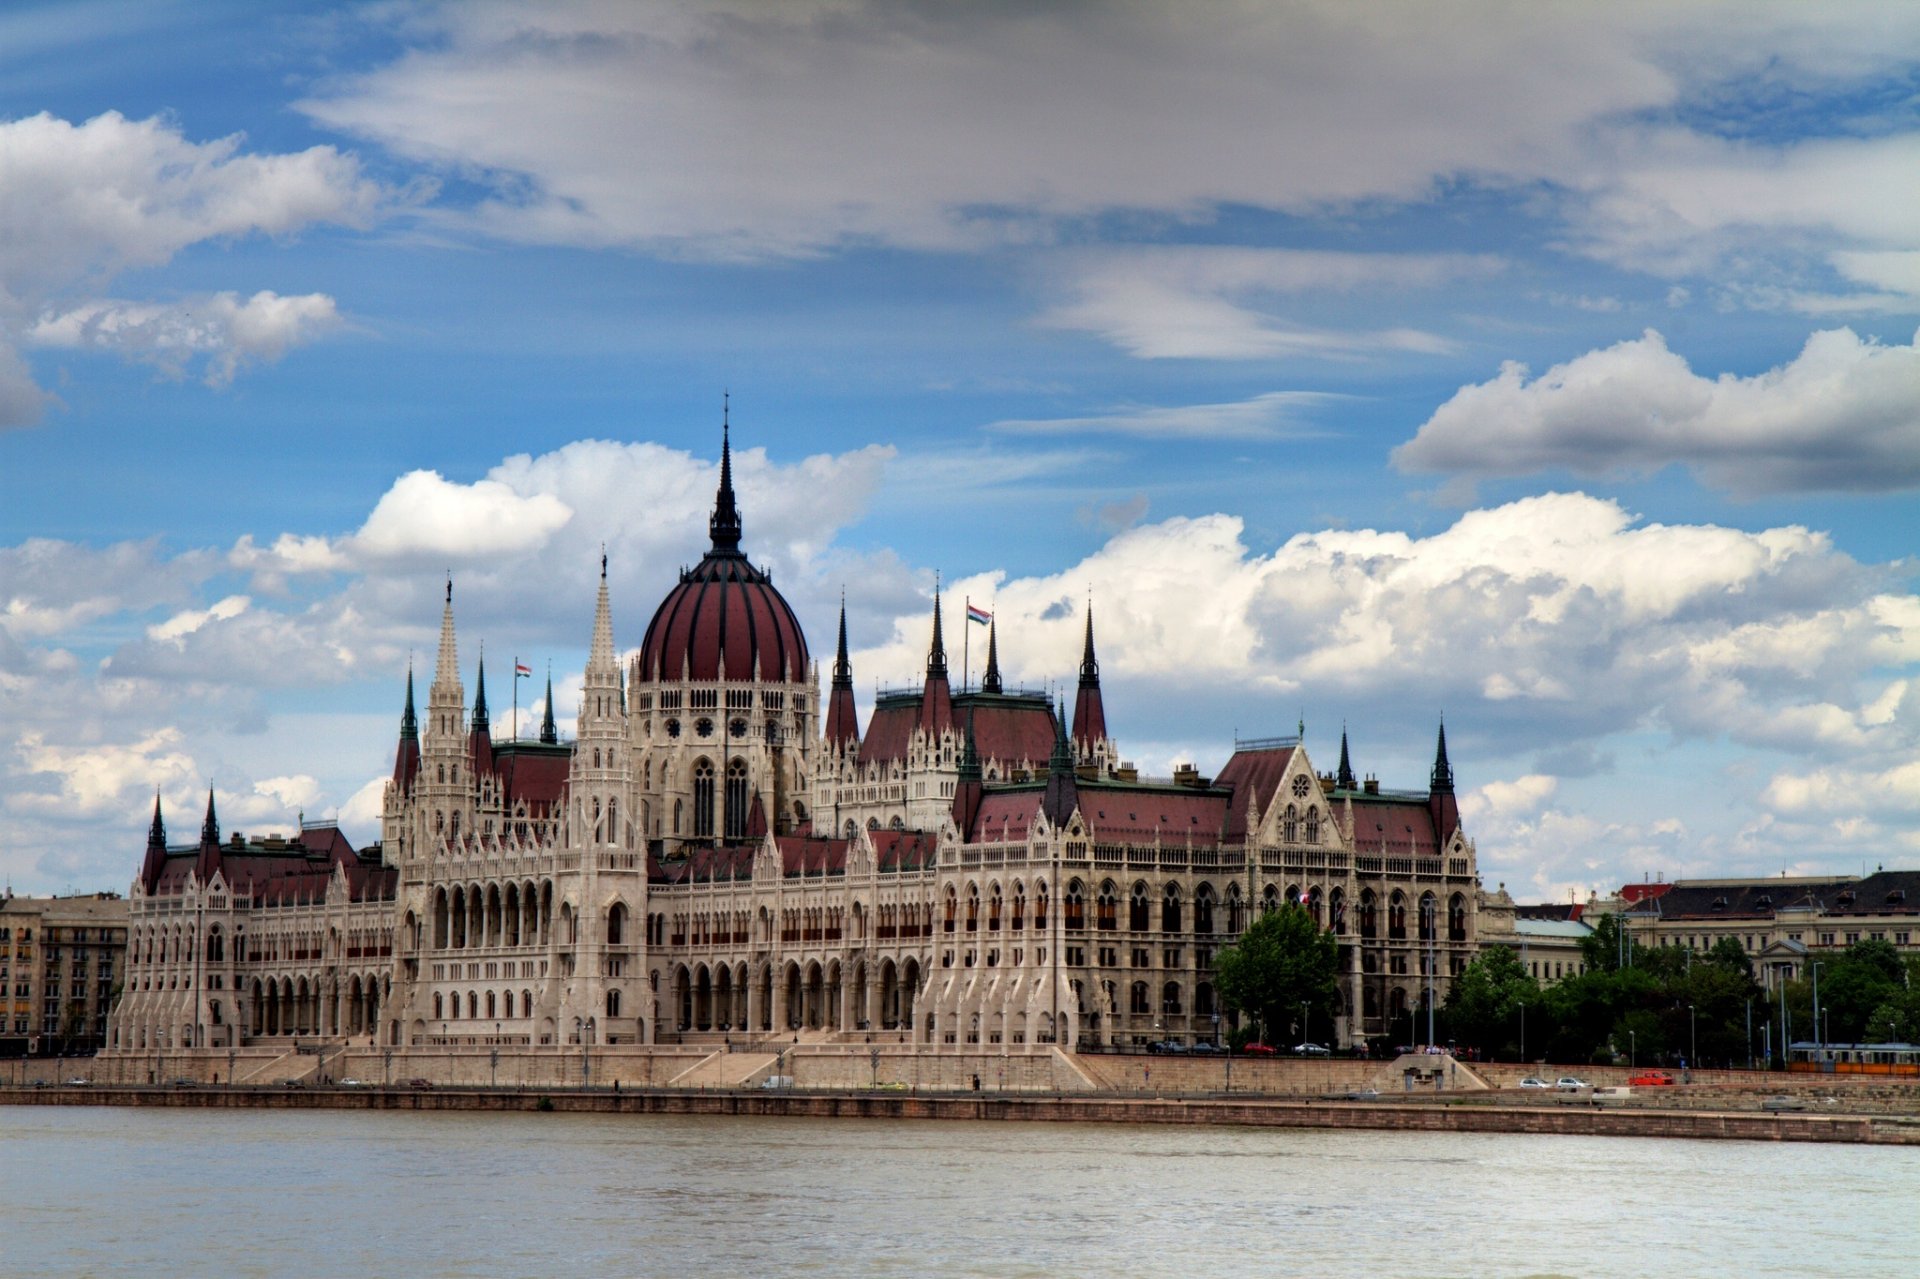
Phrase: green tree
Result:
[1282,961]
[1729,953]
[1483,1006]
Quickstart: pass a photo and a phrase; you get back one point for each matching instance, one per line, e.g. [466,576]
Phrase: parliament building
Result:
[724,852]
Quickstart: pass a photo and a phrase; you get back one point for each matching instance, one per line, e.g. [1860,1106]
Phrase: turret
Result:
[1063,790]
[156,859]
[406,757]
[446,699]
[480,731]
[936,702]
[1440,797]
[990,682]
[207,862]
[1089,712]
[843,717]
[1343,780]
[967,790]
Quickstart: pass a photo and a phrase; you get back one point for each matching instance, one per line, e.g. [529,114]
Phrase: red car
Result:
[1652,1079]
[1259,1050]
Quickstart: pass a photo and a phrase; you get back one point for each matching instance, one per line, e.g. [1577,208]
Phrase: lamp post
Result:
[1817,1041]
[1693,1039]
[1303,1021]
[1523,1031]
[1633,1050]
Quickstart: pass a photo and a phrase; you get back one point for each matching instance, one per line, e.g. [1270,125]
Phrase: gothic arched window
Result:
[703,800]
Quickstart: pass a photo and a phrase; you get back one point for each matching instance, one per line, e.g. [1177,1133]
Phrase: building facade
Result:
[62,960]
[722,853]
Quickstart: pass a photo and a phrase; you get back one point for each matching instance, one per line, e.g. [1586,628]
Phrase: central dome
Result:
[725,619]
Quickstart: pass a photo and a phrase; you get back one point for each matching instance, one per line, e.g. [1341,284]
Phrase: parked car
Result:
[1169,1047]
[1257,1049]
[1534,1081]
[1312,1050]
[774,1082]
[422,1084]
[1206,1049]
[77,1082]
[1652,1079]
[352,1083]
[1569,1083]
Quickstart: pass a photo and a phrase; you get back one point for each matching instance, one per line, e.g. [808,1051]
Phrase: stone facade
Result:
[62,960]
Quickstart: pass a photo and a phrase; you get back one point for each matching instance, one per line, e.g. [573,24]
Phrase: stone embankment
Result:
[1422,1115]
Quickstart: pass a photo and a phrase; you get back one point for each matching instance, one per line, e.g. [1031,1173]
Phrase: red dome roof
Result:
[722,618]
[725,616]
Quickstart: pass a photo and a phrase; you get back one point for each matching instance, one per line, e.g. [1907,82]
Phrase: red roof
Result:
[296,870]
[1007,731]
[1406,825]
[1139,814]
[808,856]
[536,774]
[723,618]
[1254,773]
[1635,893]
[898,850]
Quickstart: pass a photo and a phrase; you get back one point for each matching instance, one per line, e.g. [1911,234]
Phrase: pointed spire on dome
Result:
[843,717]
[1442,780]
[1343,780]
[549,734]
[725,524]
[1089,708]
[990,682]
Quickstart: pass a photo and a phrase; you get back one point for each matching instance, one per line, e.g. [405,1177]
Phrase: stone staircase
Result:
[725,1070]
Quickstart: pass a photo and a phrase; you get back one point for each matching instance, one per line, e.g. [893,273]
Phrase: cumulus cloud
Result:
[1843,415]
[81,204]
[424,514]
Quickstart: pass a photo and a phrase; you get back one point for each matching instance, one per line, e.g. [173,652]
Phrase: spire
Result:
[1442,781]
[1089,708]
[207,864]
[725,524]
[843,717]
[600,658]
[406,757]
[842,668]
[1344,779]
[549,735]
[156,858]
[967,790]
[1089,668]
[446,670]
[480,724]
[210,828]
[1063,789]
[990,682]
[936,701]
[937,652]
[409,722]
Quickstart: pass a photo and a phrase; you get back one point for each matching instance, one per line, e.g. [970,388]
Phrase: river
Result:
[112,1191]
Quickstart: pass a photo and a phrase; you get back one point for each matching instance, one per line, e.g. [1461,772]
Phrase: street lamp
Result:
[1633,1050]
[1693,1039]
[1817,1042]
[1303,1021]
[1523,1031]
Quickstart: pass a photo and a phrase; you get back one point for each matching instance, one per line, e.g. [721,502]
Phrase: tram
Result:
[1899,1060]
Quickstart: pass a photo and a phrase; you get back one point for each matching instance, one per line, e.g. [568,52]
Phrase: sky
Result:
[1551,369]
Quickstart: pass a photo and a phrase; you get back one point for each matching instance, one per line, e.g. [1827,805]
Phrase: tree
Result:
[1483,1006]
[1282,961]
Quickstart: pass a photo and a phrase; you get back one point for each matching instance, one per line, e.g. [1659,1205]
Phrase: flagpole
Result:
[966,640]
[516,699]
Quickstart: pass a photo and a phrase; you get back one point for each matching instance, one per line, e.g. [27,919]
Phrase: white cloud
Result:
[229,333]
[83,204]
[190,620]
[1842,415]
[1204,303]
[425,515]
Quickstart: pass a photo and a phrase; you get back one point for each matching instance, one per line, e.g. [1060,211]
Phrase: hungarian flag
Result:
[522,670]
[977,614]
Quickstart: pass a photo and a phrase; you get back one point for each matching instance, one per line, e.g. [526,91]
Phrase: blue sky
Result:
[1553,369]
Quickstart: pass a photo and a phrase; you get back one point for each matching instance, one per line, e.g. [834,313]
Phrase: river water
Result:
[111,1191]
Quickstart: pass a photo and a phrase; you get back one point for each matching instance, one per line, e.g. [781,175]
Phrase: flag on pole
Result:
[521,670]
[977,614]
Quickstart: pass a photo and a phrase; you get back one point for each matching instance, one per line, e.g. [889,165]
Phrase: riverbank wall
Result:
[1459,1115]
